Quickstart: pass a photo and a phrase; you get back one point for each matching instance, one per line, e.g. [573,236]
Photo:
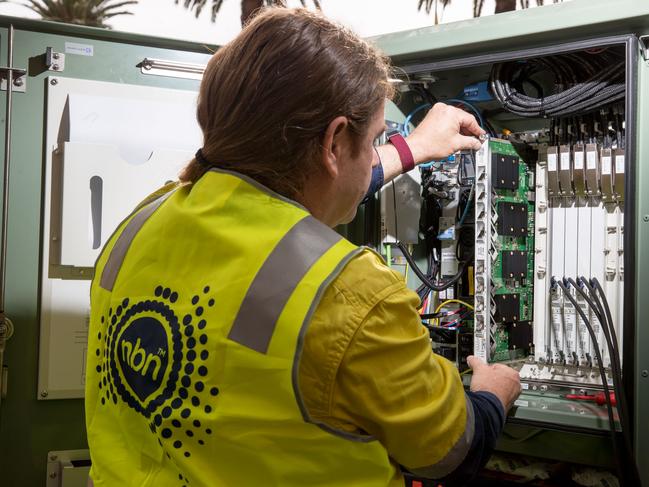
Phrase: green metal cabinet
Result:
[31,425]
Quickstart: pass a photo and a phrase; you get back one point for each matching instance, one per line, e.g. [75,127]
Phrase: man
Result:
[238,339]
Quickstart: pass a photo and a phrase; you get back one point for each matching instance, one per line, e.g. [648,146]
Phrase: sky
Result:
[163,18]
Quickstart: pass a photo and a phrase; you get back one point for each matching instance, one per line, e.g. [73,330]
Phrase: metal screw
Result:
[53,458]
[54,81]
[44,393]
[645,218]
[55,67]
[645,373]
[56,55]
[18,82]
[53,475]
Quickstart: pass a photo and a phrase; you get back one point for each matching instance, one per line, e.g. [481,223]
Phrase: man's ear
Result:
[332,145]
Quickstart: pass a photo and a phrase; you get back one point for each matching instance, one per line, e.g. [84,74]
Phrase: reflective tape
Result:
[117,254]
[276,280]
[456,454]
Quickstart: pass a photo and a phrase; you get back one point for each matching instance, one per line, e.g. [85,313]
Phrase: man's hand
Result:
[444,131]
[502,381]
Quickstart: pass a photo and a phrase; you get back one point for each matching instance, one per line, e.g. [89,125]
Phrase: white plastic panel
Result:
[598,244]
[583,269]
[571,240]
[483,246]
[611,271]
[619,320]
[541,280]
[99,190]
[557,242]
[107,146]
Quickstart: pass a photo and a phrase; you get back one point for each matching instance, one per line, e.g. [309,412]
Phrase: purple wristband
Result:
[405,154]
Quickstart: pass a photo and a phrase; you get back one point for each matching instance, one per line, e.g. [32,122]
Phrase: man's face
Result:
[356,169]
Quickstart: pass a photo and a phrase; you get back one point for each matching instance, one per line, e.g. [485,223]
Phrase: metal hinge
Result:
[19,79]
[644,47]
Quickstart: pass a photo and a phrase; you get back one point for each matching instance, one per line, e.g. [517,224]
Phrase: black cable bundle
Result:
[582,83]
[627,469]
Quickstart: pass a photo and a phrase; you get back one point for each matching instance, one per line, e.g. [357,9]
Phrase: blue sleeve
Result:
[376,183]
[489,422]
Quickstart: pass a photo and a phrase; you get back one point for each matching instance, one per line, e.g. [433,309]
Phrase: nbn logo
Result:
[139,360]
[143,355]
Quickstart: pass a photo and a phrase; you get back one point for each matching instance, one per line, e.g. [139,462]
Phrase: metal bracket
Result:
[54,61]
[68,468]
[19,78]
[644,46]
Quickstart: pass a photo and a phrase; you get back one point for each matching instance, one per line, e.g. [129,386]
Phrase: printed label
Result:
[79,49]
[591,160]
[619,164]
[521,403]
[579,160]
[552,162]
[565,161]
[606,165]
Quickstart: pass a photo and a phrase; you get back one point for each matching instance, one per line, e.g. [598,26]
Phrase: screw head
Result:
[53,475]
[44,393]
[55,67]
[645,218]
[645,373]
[56,55]
[54,81]
[18,82]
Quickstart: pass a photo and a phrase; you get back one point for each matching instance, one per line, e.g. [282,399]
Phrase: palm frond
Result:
[197,6]
[83,12]
[427,5]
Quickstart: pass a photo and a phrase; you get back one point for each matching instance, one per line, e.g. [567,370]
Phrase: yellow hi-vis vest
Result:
[199,307]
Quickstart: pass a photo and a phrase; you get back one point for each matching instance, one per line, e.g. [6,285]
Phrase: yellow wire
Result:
[466,371]
[449,301]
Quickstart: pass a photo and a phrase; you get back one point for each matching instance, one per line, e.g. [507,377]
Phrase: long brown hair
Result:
[268,96]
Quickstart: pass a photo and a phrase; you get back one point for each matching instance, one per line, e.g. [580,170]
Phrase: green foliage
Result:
[83,12]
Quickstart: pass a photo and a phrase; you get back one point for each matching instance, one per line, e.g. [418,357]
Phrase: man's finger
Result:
[464,142]
[475,362]
[469,125]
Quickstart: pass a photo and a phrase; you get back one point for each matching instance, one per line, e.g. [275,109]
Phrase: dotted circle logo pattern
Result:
[186,391]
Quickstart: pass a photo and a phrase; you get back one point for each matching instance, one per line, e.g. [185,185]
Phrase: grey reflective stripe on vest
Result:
[117,254]
[276,280]
[456,454]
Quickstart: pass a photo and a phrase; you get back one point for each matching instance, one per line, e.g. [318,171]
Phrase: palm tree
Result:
[507,5]
[83,12]
[428,5]
[248,7]
[501,5]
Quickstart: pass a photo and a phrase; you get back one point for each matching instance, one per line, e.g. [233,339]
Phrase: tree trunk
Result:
[248,8]
[505,5]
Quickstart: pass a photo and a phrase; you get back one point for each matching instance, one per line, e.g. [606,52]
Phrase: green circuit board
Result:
[508,288]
